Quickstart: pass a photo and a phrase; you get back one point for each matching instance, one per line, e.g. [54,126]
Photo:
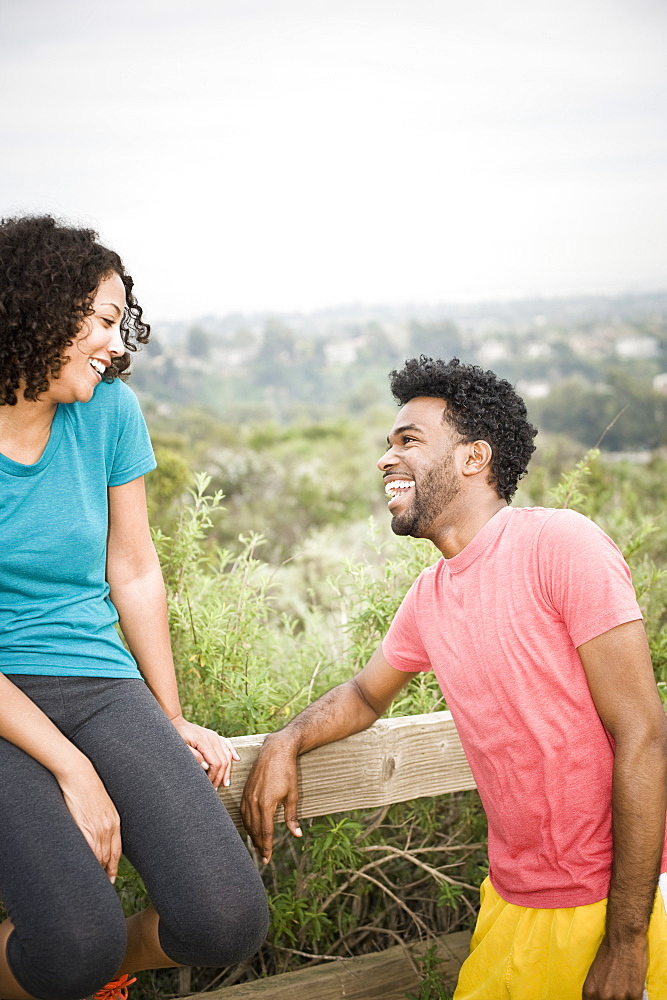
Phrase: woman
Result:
[92,759]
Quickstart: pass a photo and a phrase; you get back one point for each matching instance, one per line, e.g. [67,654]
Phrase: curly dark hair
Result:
[49,274]
[480,406]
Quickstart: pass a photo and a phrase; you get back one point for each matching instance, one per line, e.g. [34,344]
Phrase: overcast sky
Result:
[250,154]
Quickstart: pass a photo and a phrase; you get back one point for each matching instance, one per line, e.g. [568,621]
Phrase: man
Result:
[531,625]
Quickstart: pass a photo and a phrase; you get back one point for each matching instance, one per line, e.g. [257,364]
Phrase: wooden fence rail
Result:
[397,759]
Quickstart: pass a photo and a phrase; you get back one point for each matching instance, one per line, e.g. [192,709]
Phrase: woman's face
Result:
[98,342]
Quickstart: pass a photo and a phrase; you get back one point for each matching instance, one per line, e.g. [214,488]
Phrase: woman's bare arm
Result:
[24,724]
[137,592]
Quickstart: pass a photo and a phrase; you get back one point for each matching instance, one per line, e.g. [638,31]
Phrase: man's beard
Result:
[437,488]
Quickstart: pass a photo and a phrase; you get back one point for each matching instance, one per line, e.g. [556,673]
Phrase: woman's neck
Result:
[25,429]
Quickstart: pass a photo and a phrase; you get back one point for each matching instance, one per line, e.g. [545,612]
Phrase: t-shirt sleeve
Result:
[133,453]
[585,577]
[402,646]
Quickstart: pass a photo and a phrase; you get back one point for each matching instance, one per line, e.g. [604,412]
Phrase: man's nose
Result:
[387,460]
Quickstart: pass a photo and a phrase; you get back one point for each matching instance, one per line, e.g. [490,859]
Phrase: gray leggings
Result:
[69,937]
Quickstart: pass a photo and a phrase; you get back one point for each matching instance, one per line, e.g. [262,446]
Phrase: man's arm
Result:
[346,709]
[621,681]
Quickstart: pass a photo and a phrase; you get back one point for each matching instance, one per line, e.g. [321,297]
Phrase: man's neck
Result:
[464,517]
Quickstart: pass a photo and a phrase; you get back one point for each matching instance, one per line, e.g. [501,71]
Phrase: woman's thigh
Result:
[175,830]
[65,912]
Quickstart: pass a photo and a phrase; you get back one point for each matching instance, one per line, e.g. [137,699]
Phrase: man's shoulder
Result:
[427,580]
[551,520]
[557,530]
[539,515]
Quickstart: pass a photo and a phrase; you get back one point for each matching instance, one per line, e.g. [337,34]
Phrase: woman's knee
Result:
[227,932]
[70,960]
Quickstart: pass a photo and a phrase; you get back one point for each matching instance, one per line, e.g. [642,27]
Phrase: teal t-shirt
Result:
[55,614]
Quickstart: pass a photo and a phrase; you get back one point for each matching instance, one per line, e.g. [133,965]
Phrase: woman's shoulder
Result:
[110,398]
[112,405]
[110,424]
[112,393]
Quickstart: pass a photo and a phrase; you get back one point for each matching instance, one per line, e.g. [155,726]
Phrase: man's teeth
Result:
[99,367]
[398,486]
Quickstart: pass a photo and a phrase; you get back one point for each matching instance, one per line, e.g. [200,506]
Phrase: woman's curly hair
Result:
[49,274]
[480,406]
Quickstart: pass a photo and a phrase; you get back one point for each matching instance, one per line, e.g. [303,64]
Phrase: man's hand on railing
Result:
[271,782]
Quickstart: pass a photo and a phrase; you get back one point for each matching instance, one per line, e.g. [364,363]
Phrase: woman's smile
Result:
[99,341]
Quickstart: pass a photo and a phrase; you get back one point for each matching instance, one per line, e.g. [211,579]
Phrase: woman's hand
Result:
[95,815]
[214,752]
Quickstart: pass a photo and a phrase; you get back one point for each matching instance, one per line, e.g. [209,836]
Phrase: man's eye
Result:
[407,439]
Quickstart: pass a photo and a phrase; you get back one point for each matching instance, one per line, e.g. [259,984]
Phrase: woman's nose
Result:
[116,342]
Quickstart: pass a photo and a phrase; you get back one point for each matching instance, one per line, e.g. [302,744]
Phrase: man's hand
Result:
[214,752]
[271,782]
[618,971]
[348,708]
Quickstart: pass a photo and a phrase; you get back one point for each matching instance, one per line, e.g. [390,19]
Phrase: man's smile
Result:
[397,486]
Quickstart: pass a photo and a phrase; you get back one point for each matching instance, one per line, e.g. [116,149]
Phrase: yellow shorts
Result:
[517,953]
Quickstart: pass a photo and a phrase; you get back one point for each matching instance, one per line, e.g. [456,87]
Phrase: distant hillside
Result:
[576,361]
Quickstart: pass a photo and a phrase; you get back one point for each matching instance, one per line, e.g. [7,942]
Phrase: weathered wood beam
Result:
[383,975]
[397,759]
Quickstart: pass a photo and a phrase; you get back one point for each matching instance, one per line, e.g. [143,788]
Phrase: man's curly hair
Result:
[480,406]
[49,274]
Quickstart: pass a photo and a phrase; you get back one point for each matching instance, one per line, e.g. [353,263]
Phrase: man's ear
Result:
[477,458]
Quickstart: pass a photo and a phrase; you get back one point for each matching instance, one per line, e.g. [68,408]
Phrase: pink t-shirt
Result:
[500,624]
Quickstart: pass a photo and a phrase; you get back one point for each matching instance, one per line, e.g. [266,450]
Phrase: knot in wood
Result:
[388,768]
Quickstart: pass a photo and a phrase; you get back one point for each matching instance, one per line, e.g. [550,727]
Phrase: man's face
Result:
[419,468]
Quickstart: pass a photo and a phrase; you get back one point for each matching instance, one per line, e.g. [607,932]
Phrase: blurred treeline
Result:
[575,361]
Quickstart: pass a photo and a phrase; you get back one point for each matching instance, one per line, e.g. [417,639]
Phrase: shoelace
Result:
[115,990]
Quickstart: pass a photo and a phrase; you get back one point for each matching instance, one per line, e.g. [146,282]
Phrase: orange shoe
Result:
[116,989]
